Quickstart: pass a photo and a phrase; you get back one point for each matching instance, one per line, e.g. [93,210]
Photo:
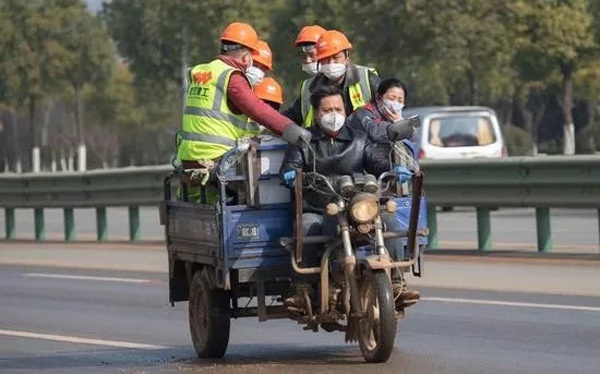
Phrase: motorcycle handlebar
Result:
[316,175]
[387,175]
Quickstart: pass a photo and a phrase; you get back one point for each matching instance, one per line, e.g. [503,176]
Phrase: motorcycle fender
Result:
[375,262]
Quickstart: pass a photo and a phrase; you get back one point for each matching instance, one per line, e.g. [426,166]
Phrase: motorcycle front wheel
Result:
[377,327]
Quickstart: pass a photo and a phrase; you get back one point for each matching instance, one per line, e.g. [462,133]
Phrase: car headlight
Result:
[364,207]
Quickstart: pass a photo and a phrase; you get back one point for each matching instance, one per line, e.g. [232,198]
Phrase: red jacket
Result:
[241,99]
[371,120]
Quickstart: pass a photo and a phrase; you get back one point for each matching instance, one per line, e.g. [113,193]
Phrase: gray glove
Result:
[402,129]
[295,134]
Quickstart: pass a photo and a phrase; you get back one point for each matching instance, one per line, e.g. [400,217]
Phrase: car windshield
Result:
[461,131]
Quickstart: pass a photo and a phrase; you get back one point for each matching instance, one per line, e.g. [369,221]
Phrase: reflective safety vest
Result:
[209,127]
[360,94]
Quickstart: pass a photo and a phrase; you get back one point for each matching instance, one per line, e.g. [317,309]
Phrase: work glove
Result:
[402,129]
[404,174]
[296,135]
[289,177]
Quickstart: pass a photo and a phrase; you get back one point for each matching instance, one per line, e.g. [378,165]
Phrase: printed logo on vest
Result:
[202,77]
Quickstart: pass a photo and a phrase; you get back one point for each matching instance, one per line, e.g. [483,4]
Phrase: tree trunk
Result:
[567,68]
[537,104]
[81,149]
[525,115]
[79,113]
[16,160]
[5,133]
[473,87]
[522,113]
[590,111]
[34,140]
[32,128]
[45,149]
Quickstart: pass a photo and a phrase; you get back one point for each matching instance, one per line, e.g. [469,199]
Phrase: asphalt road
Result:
[573,230]
[49,314]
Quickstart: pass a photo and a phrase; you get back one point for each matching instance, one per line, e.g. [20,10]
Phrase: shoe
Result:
[409,297]
[295,301]
[404,297]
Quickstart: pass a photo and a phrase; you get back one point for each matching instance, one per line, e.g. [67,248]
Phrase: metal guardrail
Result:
[132,187]
[538,182]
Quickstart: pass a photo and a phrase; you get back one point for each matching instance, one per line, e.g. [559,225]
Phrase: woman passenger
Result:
[383,110]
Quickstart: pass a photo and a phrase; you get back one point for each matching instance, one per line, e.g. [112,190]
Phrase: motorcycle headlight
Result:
[364,208]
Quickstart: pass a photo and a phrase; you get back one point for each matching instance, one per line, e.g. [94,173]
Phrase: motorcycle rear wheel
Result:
[377,329]
[209,318]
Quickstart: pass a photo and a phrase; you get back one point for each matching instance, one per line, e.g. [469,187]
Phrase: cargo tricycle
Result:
[236,257]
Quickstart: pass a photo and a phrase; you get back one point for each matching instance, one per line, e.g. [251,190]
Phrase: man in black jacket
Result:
[338,150]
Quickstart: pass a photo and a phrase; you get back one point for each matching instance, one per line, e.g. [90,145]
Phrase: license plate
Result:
[247,231]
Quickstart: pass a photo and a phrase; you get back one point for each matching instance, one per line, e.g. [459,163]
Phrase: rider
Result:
[306,43]
[357,83]
[338,150]
[262,63]
[220,101]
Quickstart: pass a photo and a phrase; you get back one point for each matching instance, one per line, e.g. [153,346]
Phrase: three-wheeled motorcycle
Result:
[248,244]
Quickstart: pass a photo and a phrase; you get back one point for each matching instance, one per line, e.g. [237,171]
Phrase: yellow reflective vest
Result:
[360,94]
[209,127]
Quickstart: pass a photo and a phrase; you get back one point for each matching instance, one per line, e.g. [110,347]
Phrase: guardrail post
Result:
[134,223]
[69,218]
[432,226]
[484,229]
[101,232]
[9,223]
[40,228]
[544,233]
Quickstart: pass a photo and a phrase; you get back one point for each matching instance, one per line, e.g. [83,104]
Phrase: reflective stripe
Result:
[221,89]
[218,115]
[207,138]
[305,96]
[360,92]
[305,106]
[365,86]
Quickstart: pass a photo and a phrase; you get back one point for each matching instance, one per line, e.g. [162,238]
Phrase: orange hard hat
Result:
[263,54]
[309,34]
[240,33]
[269,90]
[330,43]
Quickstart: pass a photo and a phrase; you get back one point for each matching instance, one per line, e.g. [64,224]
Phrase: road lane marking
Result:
[512,303]
[469,244]
[85,277]
[78,340]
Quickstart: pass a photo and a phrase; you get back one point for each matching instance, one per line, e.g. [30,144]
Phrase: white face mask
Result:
[332,121]
[255,75]
[310,69]
[393,106]
[333,71]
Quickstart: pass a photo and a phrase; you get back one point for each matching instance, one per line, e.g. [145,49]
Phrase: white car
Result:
[457,132]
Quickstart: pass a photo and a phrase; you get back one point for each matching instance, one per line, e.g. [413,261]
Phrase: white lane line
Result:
[512,303]
[85,277]
[77,340]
